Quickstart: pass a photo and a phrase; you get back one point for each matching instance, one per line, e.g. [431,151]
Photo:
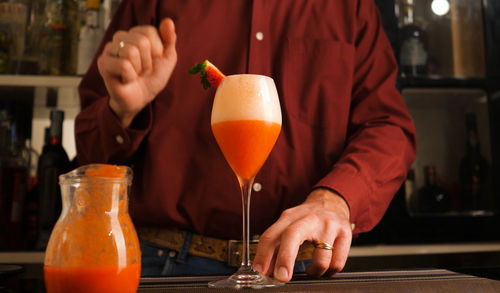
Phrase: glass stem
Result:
[246,190]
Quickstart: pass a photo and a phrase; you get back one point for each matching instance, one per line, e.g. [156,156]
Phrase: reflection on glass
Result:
[454,135]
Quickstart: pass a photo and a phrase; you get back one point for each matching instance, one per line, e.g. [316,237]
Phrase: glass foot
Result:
[246,278]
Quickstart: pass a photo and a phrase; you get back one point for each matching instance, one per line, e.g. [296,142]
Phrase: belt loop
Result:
[181,256]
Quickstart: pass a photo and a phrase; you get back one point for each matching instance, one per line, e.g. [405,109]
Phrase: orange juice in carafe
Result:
[94,246]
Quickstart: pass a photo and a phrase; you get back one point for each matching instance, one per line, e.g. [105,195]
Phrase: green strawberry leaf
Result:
[200,68]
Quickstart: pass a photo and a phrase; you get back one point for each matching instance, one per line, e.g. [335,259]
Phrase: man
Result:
[346,144]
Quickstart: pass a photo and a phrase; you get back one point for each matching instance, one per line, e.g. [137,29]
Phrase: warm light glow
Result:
[440,7]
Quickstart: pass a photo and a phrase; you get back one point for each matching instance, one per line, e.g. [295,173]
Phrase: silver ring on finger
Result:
[322,245]
[121,44]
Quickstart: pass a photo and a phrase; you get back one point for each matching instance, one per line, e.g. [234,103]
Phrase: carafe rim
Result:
[79,175]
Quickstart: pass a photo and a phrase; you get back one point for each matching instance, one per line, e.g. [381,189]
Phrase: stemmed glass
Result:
[246,121]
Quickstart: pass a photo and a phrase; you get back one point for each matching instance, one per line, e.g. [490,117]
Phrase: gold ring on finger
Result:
[121,44]
[322,245]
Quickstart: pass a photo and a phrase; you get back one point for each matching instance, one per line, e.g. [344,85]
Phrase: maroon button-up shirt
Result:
[345,126]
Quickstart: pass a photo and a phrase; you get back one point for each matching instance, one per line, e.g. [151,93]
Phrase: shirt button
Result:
[119,139]
[259,36]
[257,187]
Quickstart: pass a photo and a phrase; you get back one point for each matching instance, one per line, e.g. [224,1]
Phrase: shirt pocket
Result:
[317,81]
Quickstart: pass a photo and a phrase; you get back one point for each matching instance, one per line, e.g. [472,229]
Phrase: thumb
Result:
[168,36]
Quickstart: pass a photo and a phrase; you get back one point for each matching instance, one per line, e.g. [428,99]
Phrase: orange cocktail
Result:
[246,143]
[246,122]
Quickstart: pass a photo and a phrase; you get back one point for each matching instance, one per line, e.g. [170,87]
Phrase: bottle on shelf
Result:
[90,37]
[432,198]
[34,30]
[474,169]
[14,168]
[413,54]
[6,37]
[30,216]
[30,208]
[52,162]
[59,38]
[410,196]
[19,14]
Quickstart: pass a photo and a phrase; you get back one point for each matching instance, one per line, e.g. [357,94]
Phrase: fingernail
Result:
[258,268]
[282,274]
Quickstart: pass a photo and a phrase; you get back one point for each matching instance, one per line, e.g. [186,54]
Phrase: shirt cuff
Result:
[355,190]
[122,140]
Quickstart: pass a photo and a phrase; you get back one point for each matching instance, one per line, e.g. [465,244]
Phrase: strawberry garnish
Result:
[210,75]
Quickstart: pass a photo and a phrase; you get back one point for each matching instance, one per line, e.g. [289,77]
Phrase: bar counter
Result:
[425,281]
[465,267]
[387,281]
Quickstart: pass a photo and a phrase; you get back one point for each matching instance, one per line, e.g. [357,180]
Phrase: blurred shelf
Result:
[423,249]
[455,214]
[39,80]
[22,257]
[441,82]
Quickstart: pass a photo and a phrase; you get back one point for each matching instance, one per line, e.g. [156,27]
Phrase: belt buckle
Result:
[235,250]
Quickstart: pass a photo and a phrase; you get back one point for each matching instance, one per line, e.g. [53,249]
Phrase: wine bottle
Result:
[52,162]
[474,168]
[432,197]
[413,54]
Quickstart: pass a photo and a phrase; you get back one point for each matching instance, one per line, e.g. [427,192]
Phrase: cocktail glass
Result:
[246,121]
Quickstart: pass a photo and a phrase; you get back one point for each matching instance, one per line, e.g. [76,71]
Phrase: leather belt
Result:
[228,251]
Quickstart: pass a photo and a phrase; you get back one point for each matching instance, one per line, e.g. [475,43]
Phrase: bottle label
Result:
[92,19]
[56,32]
[413,53]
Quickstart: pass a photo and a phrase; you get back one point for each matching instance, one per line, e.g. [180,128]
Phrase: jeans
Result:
[159,261]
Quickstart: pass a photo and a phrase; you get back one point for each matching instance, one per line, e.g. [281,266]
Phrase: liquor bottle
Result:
[90,37]
[474,169]
[19,14]
[410,196]
[52,162]
[34,29]
[413,54]
[31,205]
[432,198]
[6,37]
[59,40]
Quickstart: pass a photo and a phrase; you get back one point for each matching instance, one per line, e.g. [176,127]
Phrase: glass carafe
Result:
[93,246]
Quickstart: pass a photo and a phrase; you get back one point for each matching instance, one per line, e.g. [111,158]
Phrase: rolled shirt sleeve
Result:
[381,142]
[100,138]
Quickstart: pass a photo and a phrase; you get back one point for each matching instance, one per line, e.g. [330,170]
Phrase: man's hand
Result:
[136,65]
[323,217]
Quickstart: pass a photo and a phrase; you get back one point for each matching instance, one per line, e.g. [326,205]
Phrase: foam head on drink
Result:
[246,121]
